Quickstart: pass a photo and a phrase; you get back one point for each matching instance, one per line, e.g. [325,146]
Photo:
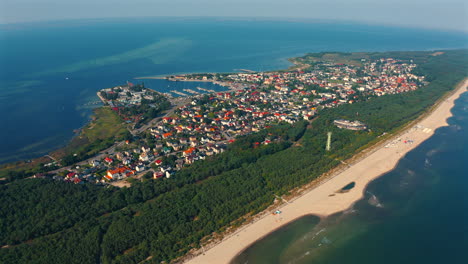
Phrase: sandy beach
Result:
[323,199]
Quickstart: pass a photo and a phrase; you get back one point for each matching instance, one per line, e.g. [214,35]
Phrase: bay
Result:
[50,72]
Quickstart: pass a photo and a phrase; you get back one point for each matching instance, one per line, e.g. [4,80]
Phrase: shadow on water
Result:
[415,213]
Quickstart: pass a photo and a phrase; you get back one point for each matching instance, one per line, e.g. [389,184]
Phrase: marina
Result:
[178,93]
[190,91]
[206,90]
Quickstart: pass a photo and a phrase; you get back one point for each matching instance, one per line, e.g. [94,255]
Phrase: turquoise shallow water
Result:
[40,107]
[422,217]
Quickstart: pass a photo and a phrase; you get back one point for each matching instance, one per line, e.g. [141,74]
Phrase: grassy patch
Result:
[105,128]
[22,167]
[335,57]
[105,124]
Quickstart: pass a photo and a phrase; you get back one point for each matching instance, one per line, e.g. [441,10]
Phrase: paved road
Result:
[176,102]
[102,154]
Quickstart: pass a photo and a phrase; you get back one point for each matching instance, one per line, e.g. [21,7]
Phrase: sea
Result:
[50,71]
[416,213]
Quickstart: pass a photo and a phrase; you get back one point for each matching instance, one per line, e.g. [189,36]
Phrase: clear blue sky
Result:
[440,14]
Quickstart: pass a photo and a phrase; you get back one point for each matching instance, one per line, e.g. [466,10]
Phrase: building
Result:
[351,125]
[119,173]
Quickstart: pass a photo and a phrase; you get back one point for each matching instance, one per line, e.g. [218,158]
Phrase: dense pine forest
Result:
[46,221]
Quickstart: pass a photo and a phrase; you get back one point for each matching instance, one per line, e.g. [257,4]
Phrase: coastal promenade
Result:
[323,199]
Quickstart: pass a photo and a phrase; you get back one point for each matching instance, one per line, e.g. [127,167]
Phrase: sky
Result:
[435,14]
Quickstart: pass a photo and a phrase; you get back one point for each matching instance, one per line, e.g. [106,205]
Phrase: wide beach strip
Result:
[318,201]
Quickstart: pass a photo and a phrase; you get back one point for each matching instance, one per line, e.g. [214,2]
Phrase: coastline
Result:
[228,85]
[322,199]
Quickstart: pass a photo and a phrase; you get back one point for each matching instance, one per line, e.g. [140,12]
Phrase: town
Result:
[134,103]
[208,123]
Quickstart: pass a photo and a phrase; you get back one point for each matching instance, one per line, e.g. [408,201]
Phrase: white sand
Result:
[318,201]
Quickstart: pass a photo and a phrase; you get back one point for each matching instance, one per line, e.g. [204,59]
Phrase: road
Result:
[102,154]
[176,102]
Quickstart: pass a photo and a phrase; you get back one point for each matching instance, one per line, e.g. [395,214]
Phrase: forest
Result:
[45,221]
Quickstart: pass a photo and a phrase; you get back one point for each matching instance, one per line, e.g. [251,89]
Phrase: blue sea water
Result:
[50,72]
[421,217]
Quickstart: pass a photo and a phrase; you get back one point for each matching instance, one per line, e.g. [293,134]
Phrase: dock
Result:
[169,95]
[245,70]
[178,93]
[102,98]
[206,90]
[191,91]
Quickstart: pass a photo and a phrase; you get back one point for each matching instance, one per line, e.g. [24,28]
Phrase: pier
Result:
[245,70]
[206,90]
[191,91]
[178,93]
[100,97]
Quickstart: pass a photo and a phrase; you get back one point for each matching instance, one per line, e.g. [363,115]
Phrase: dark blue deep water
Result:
[50,72]
[423,217]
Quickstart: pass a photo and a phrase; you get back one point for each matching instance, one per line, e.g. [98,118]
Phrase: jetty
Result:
[169,95]
[100,97]
[206,90]
[191,91]
[178,93]
[245,70]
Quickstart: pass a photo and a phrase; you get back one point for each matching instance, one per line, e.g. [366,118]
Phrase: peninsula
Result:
[206,166]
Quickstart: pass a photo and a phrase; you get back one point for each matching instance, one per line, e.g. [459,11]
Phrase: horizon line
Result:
[238,18]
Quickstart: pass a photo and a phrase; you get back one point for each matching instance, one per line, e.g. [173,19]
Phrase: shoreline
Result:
[229,86]
[323,192]
[295,66]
